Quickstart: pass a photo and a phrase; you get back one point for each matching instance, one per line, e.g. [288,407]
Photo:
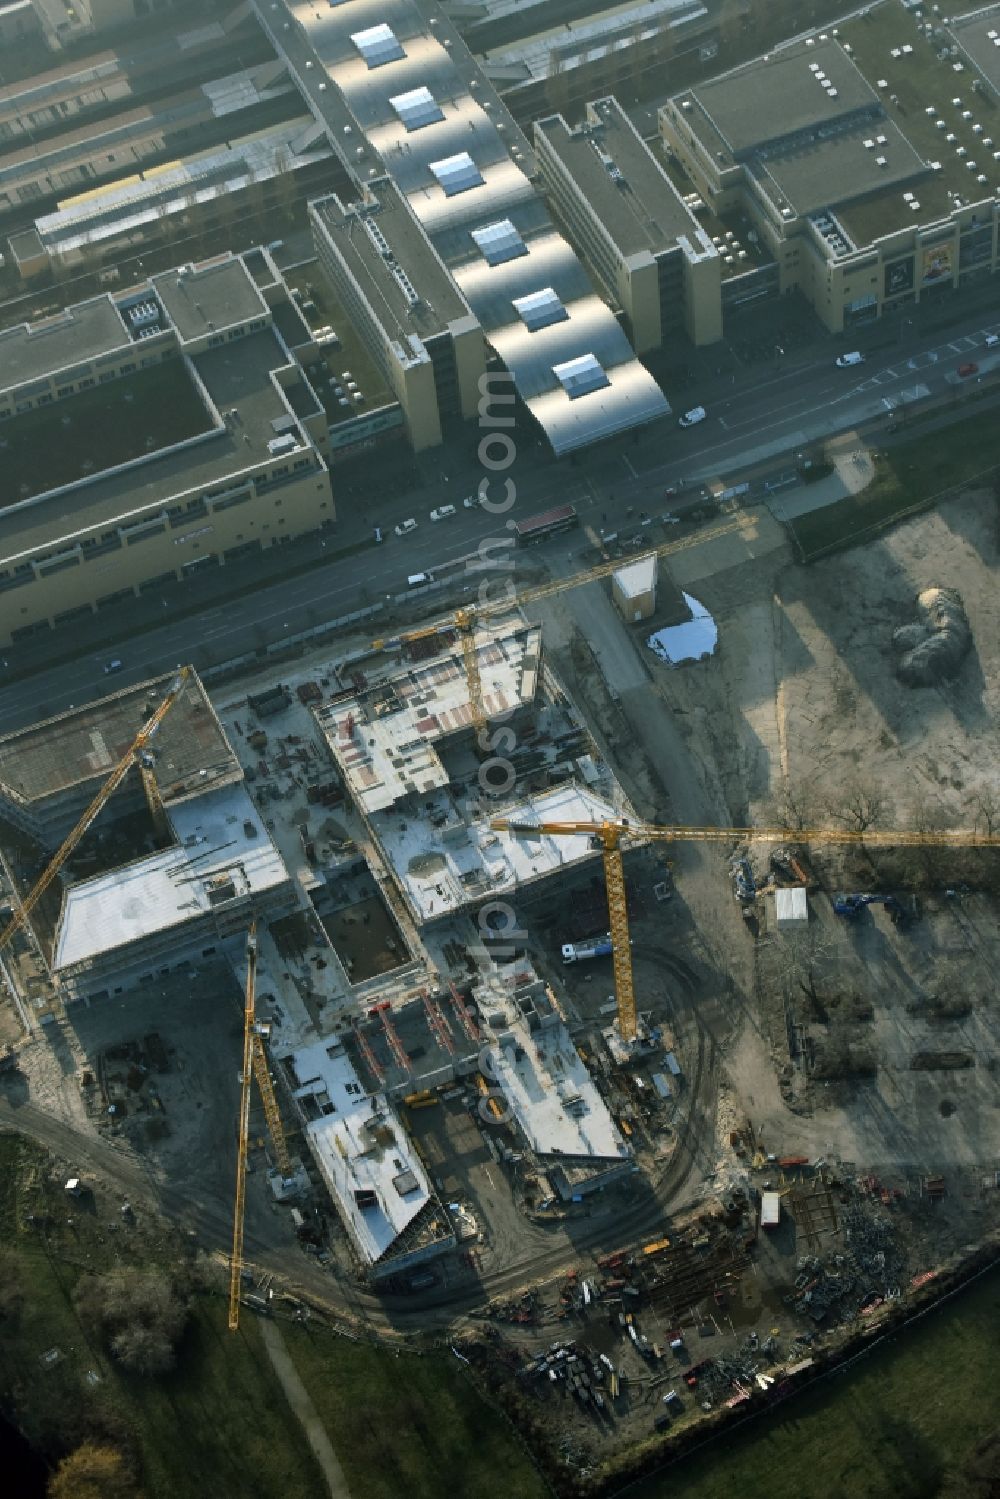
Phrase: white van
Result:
[846,360]
[419,580]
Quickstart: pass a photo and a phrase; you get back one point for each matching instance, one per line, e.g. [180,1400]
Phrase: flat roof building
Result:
[403,98]
[630,223]
[222,873]
[188,478]
[555,1103]
[51,771]
[370,1167]
[864,158]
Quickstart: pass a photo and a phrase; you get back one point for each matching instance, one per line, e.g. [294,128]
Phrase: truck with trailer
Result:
[593,947]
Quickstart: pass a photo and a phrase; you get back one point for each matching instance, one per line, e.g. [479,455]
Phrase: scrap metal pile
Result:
[855,1283]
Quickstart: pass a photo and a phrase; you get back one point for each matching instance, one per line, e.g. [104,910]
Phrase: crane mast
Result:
[242,1143]
[608,836]
[272,1113]
[73,839]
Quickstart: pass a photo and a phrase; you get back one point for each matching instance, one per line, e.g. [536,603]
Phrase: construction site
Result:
[651,1057]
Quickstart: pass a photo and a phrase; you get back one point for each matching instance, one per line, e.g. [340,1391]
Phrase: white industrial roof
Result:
[417,108]
[551,1093]
[792,905]
[214,839]
[540,308]
[638,578]
[580,376]
[499,242]
[445,862]
[457,174]
[377,45]
[360,1146]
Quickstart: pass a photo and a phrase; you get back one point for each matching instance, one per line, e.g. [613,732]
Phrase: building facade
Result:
[244,470]
[863,159]
[628,221]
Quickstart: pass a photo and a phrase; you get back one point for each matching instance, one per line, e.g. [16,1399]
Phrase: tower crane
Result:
[133,755]
[242,1143]
[463,621]
[609,835]
[255,1061]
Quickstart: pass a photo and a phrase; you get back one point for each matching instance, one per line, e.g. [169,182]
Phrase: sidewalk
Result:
[306,1413]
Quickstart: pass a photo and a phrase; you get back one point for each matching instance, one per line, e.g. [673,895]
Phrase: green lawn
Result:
[406,1426]
[910,475]
[888,1429]
[219,1425]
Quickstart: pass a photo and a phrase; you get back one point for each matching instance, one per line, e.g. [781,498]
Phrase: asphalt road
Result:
[753,413]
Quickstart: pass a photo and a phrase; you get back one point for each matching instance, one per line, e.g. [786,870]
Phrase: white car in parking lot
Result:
[845,361]
[405,527]
[693,417]
[442,511]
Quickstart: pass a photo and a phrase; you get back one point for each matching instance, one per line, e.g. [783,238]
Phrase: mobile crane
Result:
[608,836]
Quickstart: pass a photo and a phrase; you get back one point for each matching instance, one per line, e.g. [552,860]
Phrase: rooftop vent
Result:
[378,45]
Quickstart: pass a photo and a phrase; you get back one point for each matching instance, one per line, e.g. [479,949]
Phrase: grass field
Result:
[910,473]
[408,1427]
[888,1429]
[219,1424]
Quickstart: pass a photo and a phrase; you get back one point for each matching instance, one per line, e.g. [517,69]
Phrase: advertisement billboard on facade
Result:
[936,263]
[899,277]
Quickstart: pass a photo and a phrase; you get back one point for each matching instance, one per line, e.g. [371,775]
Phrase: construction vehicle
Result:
[580,952]
[608,836]
[254,1064]
[851,906]
[744,884]
[133,755]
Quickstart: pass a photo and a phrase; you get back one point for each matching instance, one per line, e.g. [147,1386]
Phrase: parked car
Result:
[845,361]
[693,417]
[442,511]
[405,527]
[992,339]
[968,369]
[378,533]
[471,501]
[115,665]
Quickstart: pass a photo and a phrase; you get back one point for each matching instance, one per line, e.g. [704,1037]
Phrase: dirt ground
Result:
[868,1045]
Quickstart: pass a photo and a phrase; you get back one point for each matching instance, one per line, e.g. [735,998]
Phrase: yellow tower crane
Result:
[242,1142]
[609,835]
[260,1069]
[133,755]
[463,621]
[255,1062]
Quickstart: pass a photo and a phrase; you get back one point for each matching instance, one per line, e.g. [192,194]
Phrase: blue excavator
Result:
[851,906]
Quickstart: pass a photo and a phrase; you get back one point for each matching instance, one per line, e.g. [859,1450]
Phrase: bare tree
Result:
[139,1314]
[861,806]
[986,811]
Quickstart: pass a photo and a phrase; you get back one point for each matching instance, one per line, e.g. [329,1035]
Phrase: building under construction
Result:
[180,859]
[406,749]
[368,1164]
